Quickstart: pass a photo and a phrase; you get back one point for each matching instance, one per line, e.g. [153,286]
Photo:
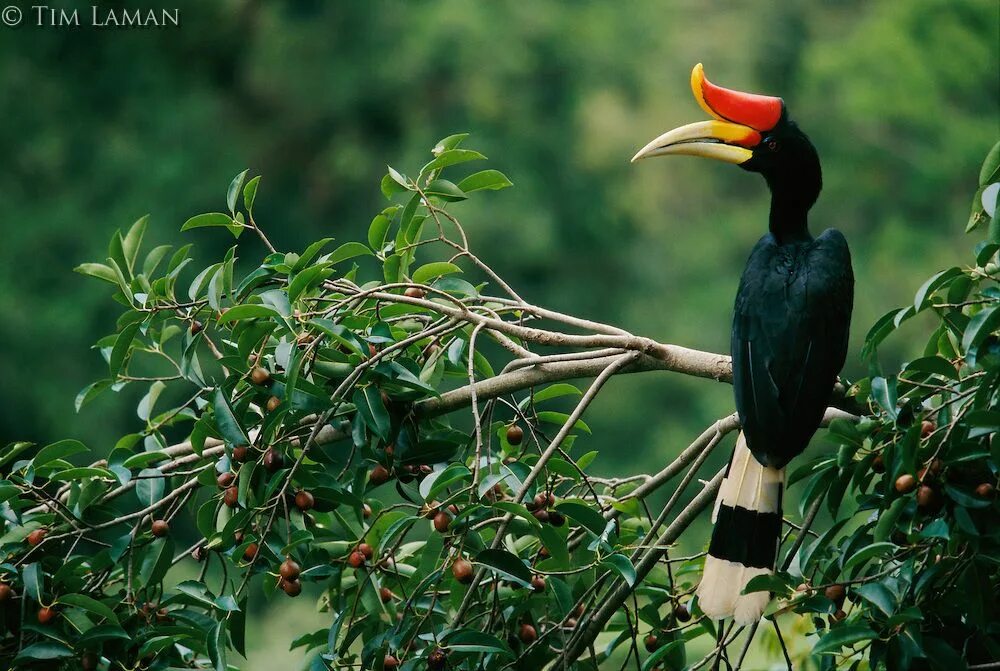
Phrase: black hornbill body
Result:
[789,337]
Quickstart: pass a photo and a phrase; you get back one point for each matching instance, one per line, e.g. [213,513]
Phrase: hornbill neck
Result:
[789,219]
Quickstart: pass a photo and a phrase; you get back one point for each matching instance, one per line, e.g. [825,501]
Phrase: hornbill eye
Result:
[773,145]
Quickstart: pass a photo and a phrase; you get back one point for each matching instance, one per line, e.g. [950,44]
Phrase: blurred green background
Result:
[102,126]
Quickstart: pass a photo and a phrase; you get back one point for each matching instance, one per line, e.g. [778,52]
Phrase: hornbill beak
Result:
[740,118]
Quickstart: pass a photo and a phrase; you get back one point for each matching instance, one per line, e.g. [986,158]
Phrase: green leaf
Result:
[445,190]
[451,157]
[133,240]
[156,559]
[981,325]
[583,514]
[98,270]
[839,637]
[878,595]
[933,284]
[123,344]
[234,190]
[90,605]
[377,231]
[43,650]
[506,565]
[348,250]
[469,640]
[438,481]
[209,219]
[555,391]
[217,646]
[932,365]
[450,142]
[492,180]
[307,279]
[58,450]
[250,193]
[80,473]
[226,420]
[622,565]
[369,403]
[561,418]
[865,554]
[425,273]
[149,487]
[990,171]
[248,312]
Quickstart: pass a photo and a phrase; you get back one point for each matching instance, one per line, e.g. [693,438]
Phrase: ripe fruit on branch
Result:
[556,518]
[538,583]
[462,570]
[46,614]
[260,376]
[231,497]
[196,327]
[986,491]
[273,460]
[414,292]
[836,594]
[928,499]
[304,500]
[272,403]
[379,475]
[682,613]
[389,663]
[36,537]
[160,528]
[251,552]
[6,592]
[527,633]
[385,594]
[356,559]
[437,659]
[240,453]
[878,464]
[651,642]
[442,521]
[290,569]
[515,434]
[927,428]
[906,483]
[366,550]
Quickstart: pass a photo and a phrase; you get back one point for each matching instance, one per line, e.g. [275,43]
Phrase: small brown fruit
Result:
[556,518]
[356,559]
[541,515]
[366,511]
[46,614]
[651,642]
[462,570]
[199,553]
[838,616]
[836,594]
[538,583]
[437,659]
[291,587]
[543,553]
[260,376]
[273,460]
[379,475]
[927,428]
[160,528]
[414,292]
[682,613]
[36,537]
[540,500]
[304,500]
[90,660]
[389,663]
[571,623]
[6,592]
[372,351]
[272,403]
[366,550]
[240,453]
[225,479]
[231,497]
[527,634]
[928,499]
[385,594]
[906,483]
[515,434]
[196,327]
[986,491]
[878,464]
[290,569]
[936,467]
[251,552]
[442,521]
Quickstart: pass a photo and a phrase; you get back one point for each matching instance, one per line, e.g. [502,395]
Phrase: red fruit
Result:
[366,510]
[196,327]
[379,475]
[160,528]
[838,616]
[260,376]
[515,434]
[651,642]
[540,500]
[251,552]
[437,659]
[46,614]
[289,569]
[372,351]
[936,466]
[36,537]
[927,428]
[453,509]
[543,553]
[682,613]
[225,479]
[414,292]
[986,491]
[366,550]
[538,583]
[556,518]
[541,515]
[6,592]
[442,521]
[356,559]
[304,500]
[836,594]
[906,483]
[527,633]
[273,460]
[385,595]
[462,570]
[231,497]
[240,453]
[272,403]
[291,587]
[389,663]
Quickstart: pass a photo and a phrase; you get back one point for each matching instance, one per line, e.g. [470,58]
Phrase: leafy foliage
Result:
[363,421]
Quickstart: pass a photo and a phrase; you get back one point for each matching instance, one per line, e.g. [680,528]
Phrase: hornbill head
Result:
[750,130]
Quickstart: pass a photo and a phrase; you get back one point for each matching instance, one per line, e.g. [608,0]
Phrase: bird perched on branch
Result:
[789,336]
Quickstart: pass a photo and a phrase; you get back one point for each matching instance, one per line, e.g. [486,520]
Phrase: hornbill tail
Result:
[744,544]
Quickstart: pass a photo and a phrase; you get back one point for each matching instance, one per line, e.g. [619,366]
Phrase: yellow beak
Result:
[721,140]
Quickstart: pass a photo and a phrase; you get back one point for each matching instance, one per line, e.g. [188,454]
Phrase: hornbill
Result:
[789,334]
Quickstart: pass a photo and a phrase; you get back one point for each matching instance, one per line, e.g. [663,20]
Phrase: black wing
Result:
[789,341]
